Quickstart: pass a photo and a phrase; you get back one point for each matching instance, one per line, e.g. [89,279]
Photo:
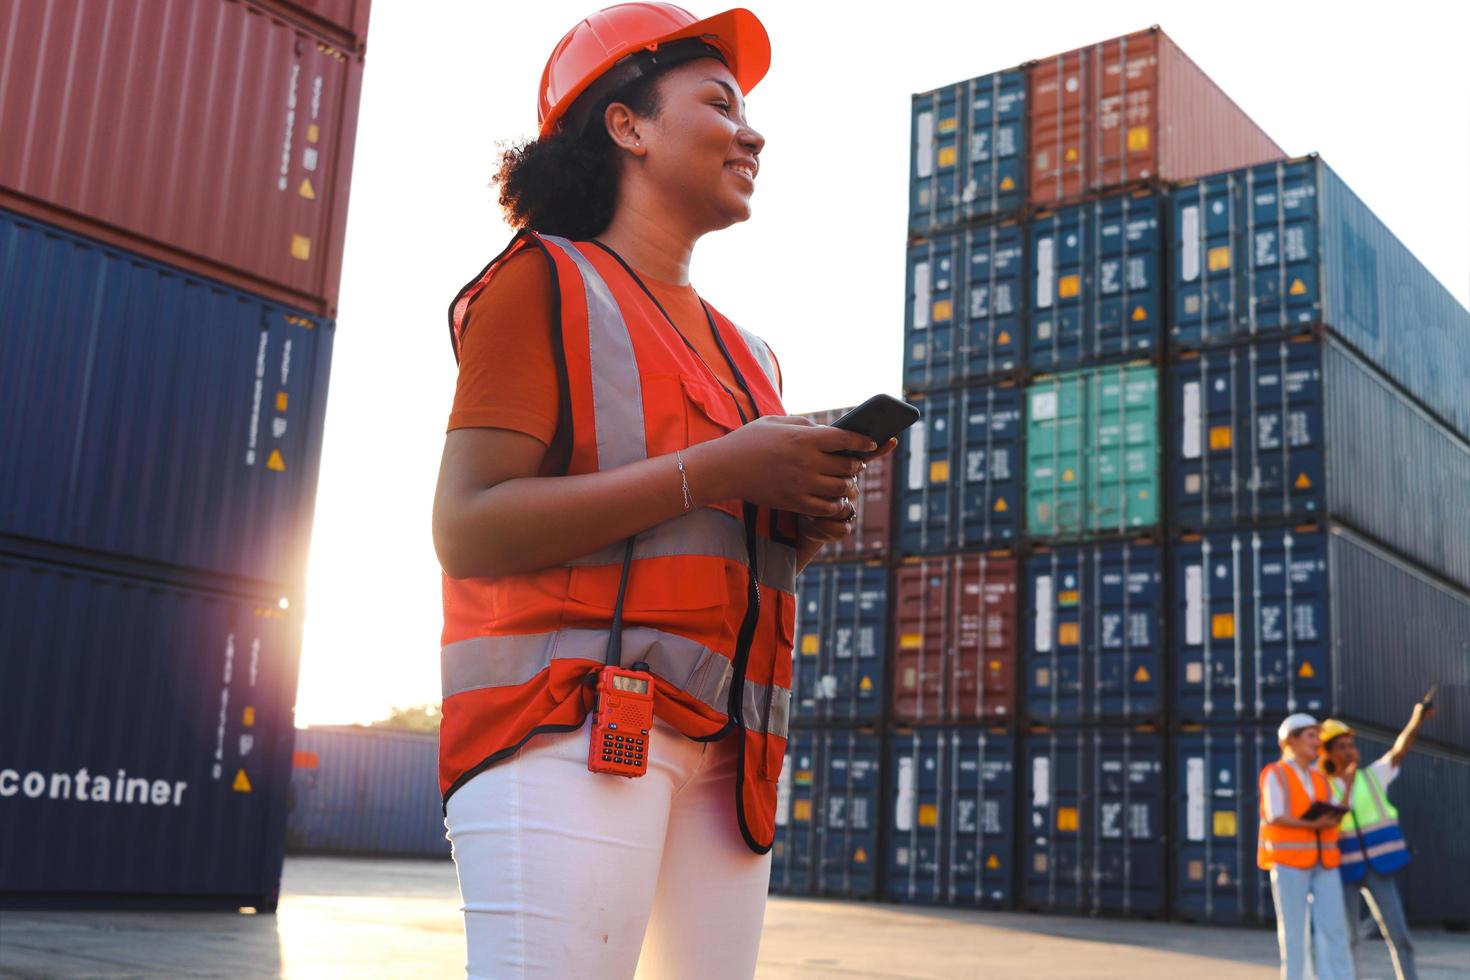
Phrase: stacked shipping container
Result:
[173,190]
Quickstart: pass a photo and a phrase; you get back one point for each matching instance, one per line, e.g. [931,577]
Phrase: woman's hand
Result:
[825,529]
[783,462]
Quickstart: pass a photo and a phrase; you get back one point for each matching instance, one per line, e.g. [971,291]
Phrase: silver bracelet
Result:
[684,479]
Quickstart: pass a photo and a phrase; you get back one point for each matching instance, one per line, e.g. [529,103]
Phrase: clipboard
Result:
[1322,808]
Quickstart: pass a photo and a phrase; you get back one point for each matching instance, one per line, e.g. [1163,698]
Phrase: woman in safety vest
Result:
[1302,856]
[622,509]
[1372,845]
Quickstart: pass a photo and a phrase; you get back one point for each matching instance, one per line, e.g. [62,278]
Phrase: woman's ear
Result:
[622,127]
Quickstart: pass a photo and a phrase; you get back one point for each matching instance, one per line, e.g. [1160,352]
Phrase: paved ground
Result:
[364,918]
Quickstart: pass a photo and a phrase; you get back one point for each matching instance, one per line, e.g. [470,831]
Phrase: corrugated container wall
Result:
[214,136]
[1094,840]
[968,152]
[827,814]
[1127,111]
[951,837]
[1277,430]
[147,740]
[1096,281]
[1284,246]
[964,319]
[1272,621]
[162,416]
[959,476]
[955,657]
[1092,452]
[366,791]
[1094,633]
[345,18]
[841,643]
[870,537]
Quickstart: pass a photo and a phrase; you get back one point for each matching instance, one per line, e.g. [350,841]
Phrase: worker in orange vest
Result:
[622,509]
[1300,851]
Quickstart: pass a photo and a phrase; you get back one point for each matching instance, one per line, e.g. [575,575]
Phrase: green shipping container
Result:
[1092,452]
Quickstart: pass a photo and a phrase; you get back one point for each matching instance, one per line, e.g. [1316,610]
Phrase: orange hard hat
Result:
[601,41]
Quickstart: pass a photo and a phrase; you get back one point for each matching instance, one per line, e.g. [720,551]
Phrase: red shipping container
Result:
[955,659]
[1128,111]
[869,538]
[345,21]
[215,136]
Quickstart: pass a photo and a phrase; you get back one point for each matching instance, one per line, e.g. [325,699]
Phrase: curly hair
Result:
[567,184]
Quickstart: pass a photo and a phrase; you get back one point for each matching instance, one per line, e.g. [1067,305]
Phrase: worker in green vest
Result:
[1370,841]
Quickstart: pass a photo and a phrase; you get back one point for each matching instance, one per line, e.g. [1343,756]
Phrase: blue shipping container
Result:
[1095,836]
[827,814]
[1275,430]
[1094,640]
[841,642]
[1285,245]
[959,473]
[145,740]
[968,152]
[952,837]
[366,791]
[963,320]
[160,416]
[1097,278]
[1276,620]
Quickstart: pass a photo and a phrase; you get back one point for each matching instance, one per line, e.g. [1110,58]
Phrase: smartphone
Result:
[1428,701]
[880,418]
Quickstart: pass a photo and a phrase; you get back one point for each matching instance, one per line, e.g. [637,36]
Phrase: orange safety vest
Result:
[520,652]
[1295,847]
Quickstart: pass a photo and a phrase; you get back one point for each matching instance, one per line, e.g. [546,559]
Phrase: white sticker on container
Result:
[1194,605]
[903,807]
[1191,420]
[1043,406]
[1189,236]
[917,451]
[924,162]
[783,795]
[1042,606]
[1194,797]
[1041,781]
[1045,274]
[922,296]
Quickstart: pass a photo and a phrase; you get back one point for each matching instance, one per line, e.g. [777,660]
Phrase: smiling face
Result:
[1343,751]
[1303,744]
[700,157]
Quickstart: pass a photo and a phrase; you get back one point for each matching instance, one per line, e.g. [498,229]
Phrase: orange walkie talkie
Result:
[622,718]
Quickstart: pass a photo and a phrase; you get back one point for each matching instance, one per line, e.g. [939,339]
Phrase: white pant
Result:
[1314,893]
[563,871]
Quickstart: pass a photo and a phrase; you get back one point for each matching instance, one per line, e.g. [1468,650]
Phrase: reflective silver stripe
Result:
[506,661]
[762,354]
[1291,845]
[1378,850]
[1348,855]
[617,390]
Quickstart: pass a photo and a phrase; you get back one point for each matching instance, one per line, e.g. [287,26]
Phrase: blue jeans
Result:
[1294,889]
[1388,909]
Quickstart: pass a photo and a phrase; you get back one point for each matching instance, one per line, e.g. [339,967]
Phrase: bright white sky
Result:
[1382,93]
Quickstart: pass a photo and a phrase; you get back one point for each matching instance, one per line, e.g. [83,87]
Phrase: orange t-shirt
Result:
[508,377]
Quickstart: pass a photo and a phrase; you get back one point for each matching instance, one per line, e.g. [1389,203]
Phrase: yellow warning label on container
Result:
[248,716]
[1043,677]
[802,777]
[860,856]
[1071,155]
[1225,823]
[1069,286]
[1298,288]
[947,156]
[942,312]
[992,862]
[810,644]
[1221,436]
[1067,818]
[313,132]
[306,190]
[1006,184]
[1038,863]
[1303,482]
[866,684]
[1137,139]
[1222,626]
[1069,634]
[928,815]
[1218,258]
[948,125]
[801,810]
[242,782]
[1196,871]
[1141,675]
[1001,506]
[1305,670]
[276,462]
[1139,314]
[1069,597]
[300,247]
[995,665]
[1068,476]
[281,401]
[939,471]
[1004,337]
[910,641]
